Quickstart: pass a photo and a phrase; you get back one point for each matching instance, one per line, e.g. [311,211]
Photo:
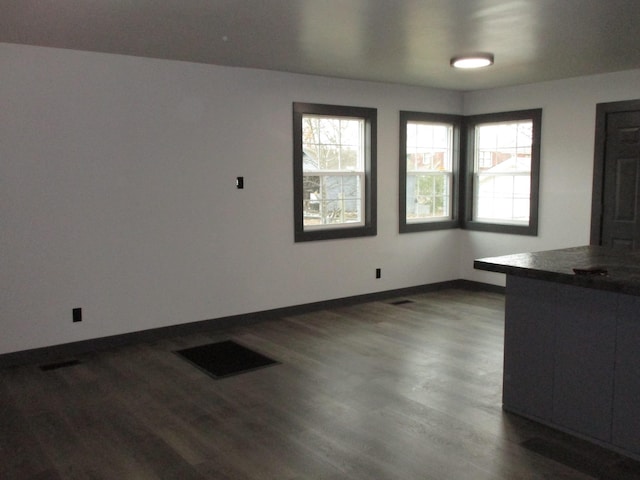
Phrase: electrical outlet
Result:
[77,315]
[378,272]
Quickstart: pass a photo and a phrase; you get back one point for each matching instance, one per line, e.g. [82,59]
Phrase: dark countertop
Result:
[621,269]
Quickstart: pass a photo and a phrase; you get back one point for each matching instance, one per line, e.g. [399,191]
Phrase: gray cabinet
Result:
[529,343]
[560,346]
[584,360]
[626,397]
[572,342]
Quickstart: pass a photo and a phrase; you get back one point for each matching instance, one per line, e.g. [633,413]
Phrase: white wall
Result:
[117,191]
[566,170]
[117,195]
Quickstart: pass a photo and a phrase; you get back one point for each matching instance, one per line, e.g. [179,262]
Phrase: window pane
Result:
[428,197]
[502,163]
[502,197]
[332,199]
[349,159]
[329,157]
[311,196]
[336,144]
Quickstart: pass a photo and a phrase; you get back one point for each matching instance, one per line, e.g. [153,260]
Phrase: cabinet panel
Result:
[584,359]
[626,402]
[529,347]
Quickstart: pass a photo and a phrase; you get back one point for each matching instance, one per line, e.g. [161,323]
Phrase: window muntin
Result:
[334,171]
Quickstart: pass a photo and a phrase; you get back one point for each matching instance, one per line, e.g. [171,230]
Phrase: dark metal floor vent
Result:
[401,302]
[57,365]
[225,359]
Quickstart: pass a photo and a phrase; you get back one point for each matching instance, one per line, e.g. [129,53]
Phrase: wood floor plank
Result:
[375,390]
[21,455]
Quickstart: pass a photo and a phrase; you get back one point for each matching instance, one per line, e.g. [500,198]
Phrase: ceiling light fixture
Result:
[477,60]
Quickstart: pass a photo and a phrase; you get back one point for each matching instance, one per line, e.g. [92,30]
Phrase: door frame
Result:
[597,195]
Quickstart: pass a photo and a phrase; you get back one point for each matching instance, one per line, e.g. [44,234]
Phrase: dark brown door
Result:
[620,182]
[621,213]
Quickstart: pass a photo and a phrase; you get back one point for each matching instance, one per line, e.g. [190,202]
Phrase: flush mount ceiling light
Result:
[477,60]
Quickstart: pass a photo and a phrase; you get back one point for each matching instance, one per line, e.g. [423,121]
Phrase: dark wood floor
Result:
[372,391]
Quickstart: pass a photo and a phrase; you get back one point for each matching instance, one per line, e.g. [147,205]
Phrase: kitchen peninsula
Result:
[572,341]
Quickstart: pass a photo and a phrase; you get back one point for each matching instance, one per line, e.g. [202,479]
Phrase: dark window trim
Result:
[466,203]
[456,121]
[370,210]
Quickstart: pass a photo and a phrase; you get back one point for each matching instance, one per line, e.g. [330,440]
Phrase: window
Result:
[334,171]
[428,171]
[503,160]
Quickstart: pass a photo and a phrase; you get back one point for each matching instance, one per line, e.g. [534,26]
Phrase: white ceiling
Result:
[400,41]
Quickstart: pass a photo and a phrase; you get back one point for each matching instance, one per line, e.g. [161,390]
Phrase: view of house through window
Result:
[428,171]
[333,171]
[502,172]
